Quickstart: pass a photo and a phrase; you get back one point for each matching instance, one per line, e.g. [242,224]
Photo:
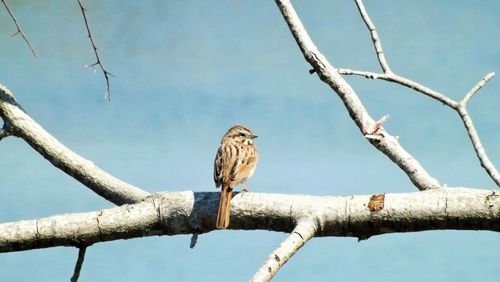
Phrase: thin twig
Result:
[99,63]
[19,30]
[79,263]
[373,32]
[302,233]
[476,88]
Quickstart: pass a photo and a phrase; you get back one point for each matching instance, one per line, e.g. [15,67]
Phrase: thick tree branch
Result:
[304,231]
[374,35]
[19,30]
[188,213]
[99,63]
[23,126]
[387,144]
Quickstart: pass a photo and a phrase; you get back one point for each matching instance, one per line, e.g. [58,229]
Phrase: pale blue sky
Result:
[187,70]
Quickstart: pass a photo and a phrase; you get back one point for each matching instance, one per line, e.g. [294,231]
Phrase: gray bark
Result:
[194,213]
[20,124]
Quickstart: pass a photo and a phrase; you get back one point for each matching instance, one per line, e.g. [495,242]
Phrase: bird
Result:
[234,164]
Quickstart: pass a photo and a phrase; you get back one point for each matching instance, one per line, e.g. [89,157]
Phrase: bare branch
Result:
[387,144]
[461,109]
[404,82]
[79,263]
[374,35]
[19,30]
[477,87]
[476,143]
[107,94]
[188,212]
[85,171]
[304,231]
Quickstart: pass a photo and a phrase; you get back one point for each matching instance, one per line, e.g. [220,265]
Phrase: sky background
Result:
[187,70]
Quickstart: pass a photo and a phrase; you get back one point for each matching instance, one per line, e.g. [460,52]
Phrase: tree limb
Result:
[304,231]
[23,126]
[386,143]
[19,30]
[188,212]
[459,107]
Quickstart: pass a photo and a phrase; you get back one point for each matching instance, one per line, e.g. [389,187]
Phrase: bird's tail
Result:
[226,194]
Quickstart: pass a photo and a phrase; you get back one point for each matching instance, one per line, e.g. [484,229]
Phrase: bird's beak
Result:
[254,136]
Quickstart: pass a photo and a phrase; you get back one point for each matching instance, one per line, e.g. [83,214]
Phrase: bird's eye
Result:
[242,134]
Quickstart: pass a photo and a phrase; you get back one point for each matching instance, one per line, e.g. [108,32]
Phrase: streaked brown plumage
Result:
[234,164]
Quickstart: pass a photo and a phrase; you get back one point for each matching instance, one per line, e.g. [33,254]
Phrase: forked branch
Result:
[19,30]
[99,63]
[472,132]
[387,144]
[458,106]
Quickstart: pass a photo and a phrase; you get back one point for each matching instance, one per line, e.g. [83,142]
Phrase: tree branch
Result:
[107,94]
[476,88]
[387,144]
[404,82]
[79,263]
[471,130]
[304,231]
[459,107]
[478,147]
[187,213]
[23,126]
[374,35]
[19,30]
